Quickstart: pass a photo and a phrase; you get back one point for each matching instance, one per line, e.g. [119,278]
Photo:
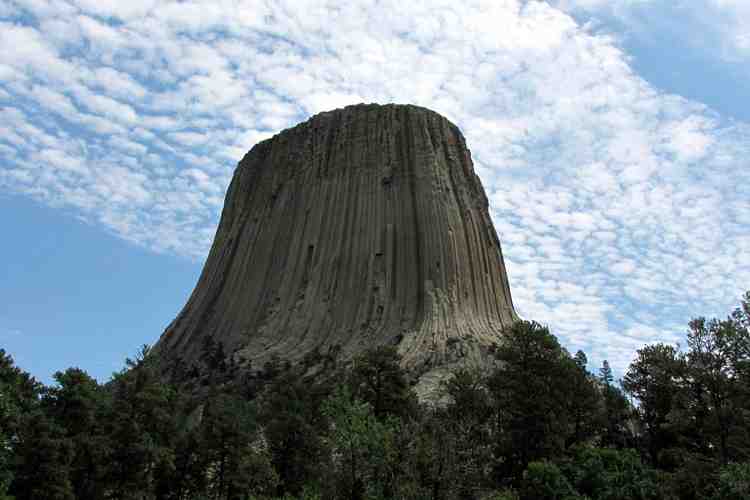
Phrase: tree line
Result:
[536,425]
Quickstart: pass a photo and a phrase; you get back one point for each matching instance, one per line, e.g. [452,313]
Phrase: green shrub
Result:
[506,494]
[545,481]
[608,474]
[734,481]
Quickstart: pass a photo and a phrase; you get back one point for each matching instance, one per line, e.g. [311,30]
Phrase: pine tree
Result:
[530,407]
[363,447]
[292,422]
[436,459]
[719,352]
[605,373]
[19,400]
[143,427]
[43,455]
[583,400]
[79,406]
[377,378]
[232,454]
[466,427]
[653,378]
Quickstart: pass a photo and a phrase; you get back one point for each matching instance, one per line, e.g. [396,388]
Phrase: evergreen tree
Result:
[654,379]
[467,426]
[143,427]
[616,418]
[609,474]
[43,456]
[530,407]
[292,422]
[187,478]
[377,378]
[583,400]
[718,355]
[434,462]
[79,406]
[734,482]
[363,448]
[19,404]
[616,411]
[543,480]
[605,373]
[8,413]
[233,456]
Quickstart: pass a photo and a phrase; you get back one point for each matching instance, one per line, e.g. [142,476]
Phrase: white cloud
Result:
[59,159]
[26,50]
[722,24]
[115,83]
[54,101]
[736,28]
[621,209]
[105,106]
[117,8]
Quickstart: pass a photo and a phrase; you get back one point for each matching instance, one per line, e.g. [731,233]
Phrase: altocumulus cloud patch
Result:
[622,210]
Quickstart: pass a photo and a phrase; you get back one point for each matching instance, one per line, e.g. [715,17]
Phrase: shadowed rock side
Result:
[361,226]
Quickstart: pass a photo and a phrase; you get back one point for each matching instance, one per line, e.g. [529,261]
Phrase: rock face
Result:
[359,227]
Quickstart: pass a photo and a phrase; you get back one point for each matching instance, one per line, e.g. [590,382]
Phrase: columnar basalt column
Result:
[359,227]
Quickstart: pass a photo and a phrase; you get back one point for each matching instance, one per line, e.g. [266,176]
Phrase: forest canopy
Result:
[537,425]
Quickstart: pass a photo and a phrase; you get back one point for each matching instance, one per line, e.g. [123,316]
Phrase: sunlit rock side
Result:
[359,227]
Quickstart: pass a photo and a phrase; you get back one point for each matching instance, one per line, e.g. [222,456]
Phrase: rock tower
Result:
[361,226]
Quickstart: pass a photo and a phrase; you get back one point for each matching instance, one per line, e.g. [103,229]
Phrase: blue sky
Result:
[611,136]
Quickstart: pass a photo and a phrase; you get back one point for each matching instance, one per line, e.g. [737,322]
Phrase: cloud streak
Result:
[622,210]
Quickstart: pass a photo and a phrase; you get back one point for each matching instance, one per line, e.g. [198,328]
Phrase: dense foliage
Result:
[538,425]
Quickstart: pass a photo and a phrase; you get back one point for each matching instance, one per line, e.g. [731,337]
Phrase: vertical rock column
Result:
[359,227]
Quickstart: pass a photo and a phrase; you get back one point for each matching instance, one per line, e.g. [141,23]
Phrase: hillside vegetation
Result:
[539,426]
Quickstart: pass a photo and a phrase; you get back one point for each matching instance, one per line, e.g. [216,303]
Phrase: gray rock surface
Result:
[361,226]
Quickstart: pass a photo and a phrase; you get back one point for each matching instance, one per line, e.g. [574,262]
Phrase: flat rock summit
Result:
[360,227]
